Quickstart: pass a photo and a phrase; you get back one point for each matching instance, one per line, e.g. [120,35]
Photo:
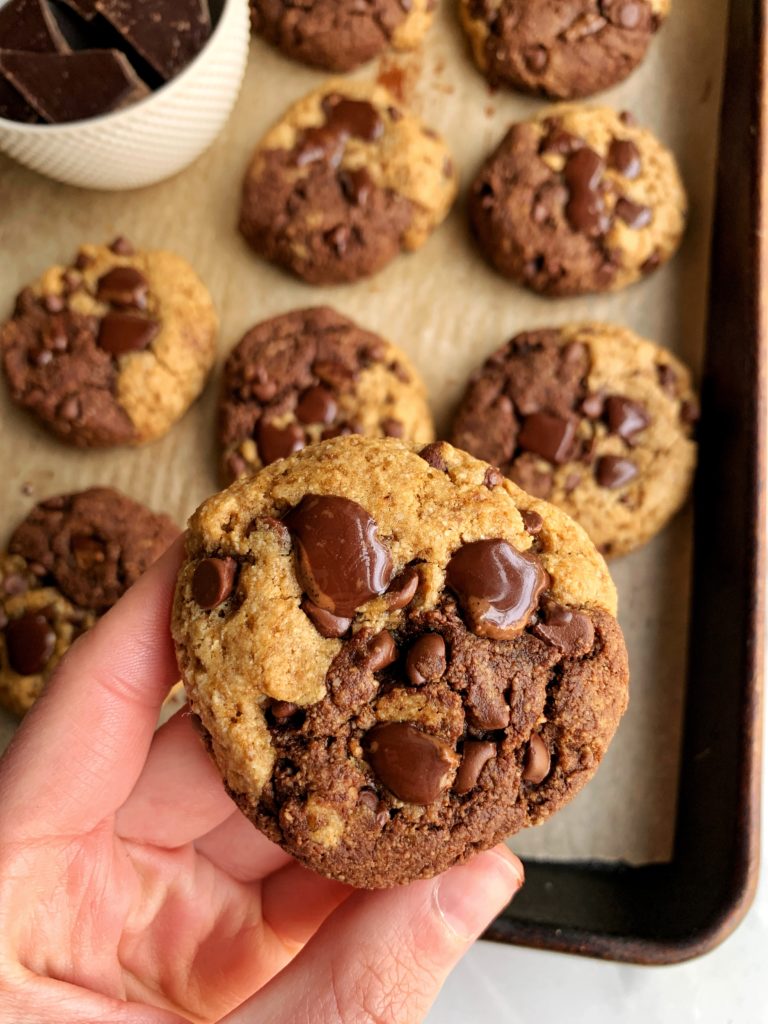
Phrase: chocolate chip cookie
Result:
[112,349]
[564,49]
[397,657]
[592,418]
[339,35]
[309,375]
[67,563]
[345,181]
[578,200]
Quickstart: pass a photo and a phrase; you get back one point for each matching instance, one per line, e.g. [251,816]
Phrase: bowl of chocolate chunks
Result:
[117,94]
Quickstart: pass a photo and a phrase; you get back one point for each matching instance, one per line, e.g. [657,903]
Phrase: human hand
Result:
[132,889]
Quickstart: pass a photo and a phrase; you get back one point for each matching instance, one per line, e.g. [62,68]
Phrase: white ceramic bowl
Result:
[152,139]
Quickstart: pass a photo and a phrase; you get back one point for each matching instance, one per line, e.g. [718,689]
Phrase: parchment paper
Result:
[449,310]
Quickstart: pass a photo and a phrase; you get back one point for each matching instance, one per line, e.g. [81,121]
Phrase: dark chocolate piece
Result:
[168,35]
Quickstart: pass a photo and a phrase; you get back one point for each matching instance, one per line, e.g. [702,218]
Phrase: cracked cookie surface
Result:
[397,657]
[113,349]
[67,563]
[563,49]
[578,200]
[345,181]
[309,375]
[339,35]
[592,418]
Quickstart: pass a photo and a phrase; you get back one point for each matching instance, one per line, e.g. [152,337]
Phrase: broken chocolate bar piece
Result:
[64,87]
[30,25]
[85,8]
[167,35]
[13,106]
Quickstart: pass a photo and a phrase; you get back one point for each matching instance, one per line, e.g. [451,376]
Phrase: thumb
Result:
[383,956]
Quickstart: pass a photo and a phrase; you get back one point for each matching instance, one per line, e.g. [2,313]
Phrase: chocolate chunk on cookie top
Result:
[564,49]
[397,657]
[578,200]
[345,181]
[592,418]
[339,35]
[310,375]
[67,563]
[112,349]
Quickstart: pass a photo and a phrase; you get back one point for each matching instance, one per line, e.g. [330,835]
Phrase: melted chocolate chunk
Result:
[316,405]
[624,157]
[123,286]
[612,471]
[414,766]
[403,587]
[120,333]
[213,581]
[381,651]
[426,660]
[278,442]
[498,587]
[326,623]
[552,437]
[474,757]
[30,642]
[569,631]
[340,562]
[625,417]
[585,209]
[537,761]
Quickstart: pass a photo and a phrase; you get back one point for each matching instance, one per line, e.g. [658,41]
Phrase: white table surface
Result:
[508,985]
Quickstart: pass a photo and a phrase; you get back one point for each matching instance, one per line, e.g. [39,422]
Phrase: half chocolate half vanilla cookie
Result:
[398,658]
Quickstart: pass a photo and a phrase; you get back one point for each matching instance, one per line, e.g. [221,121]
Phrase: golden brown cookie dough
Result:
[346,180]
[577,200]
[592,418]
[564,49]
[309,375]
[112,349]
[339,35]
[68,562]
[397,657]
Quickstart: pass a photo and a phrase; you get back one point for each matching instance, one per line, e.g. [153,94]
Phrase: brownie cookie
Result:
[339,35]
[578,200]
[112,349]
[309,375]
[397,657]
[345,181]
[592,418]
[67,563]
[563,49]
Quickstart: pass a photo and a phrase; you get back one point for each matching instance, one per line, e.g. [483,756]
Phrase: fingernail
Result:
[470,896]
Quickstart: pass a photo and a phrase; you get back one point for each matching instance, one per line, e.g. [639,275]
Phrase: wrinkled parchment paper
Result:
[449,310]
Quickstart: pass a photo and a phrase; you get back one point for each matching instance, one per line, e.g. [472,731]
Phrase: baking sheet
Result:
[449,310]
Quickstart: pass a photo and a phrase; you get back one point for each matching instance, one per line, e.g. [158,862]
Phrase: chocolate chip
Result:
[402,589]
[474,757]
[569,631]
[532,521]
[634,215]
[381,651]
[497,586]
[493,477]
[123,286]
[537,761]
[612,471]
[624,157]
[356,186]
[667,379]
[690,412]
[625,417]
[416,767]
[69,409]
[278,442]
[551,437]
[340,562]
[426,661]
[120,333]
[212,581]
[281,710]
[316,405]
[30,642]
[353,117]
[392,428]
[535,57]
[585,209]
[593,406]
[326,623]
[433,456]
[122,247]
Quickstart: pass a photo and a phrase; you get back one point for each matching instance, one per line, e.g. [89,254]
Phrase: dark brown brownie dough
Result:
[91,545]
[563,49]
[337,35]
[294,379]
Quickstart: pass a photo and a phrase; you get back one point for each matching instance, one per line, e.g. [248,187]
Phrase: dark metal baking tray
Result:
[664,913]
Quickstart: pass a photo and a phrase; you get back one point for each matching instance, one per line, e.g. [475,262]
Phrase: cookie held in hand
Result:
[397,657]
